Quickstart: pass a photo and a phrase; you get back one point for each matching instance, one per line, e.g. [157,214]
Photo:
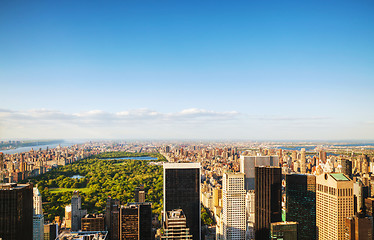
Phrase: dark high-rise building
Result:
[182,191]
[93,223]
[112,218]
[268,193]
[140,194]
[301,203]
[136,221]
[359,227]
[346,166]
[16,211]
[369,206]
[284,231]
[248,164]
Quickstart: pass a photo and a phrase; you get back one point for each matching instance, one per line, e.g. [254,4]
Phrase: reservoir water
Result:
[77,177]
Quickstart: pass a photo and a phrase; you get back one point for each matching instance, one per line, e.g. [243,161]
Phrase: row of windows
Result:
[332,191]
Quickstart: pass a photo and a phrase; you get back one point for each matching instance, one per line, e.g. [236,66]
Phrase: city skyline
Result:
[187,70]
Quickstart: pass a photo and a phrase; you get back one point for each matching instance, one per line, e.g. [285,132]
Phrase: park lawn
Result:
[61,190]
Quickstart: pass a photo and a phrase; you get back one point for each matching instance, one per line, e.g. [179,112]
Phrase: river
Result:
[36,147]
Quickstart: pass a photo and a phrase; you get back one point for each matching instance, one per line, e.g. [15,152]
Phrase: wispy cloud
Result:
[148,123]
[98,122]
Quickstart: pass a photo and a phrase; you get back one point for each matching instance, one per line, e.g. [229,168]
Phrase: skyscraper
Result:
[334,204]
[37,201]
[301,203]
[136,221]
[268,193]
[38,227]
[302,161]
[182,191]
[233,206]
[16,211]
[248,164]
[76,211]
[139,194]
[112,215]
[38,217]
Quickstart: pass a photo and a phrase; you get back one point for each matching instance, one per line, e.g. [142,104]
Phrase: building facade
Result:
[93,223]
[182,191]
[268,198]
[248,164]
[175,226]
[233,206]
[77,213]
[112,218]
[301,203]
[50,231]
[359,227]
[334,204]
[16,211]
[136,221]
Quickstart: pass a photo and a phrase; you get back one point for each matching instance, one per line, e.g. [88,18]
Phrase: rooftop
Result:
[339,177]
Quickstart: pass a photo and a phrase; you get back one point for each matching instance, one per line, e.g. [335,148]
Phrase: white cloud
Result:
[192,123]
[98,123]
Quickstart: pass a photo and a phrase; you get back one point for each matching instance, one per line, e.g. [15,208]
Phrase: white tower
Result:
[233,209]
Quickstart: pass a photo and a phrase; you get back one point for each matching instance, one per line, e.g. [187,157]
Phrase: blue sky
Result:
[187,69]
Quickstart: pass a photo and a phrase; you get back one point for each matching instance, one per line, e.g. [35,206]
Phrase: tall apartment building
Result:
[37,201]
[346,165]
[301,203]
[268,198]
[139,194]
[175,226]
[248,164]
[334,204]
[38,217]
[77,213]
[68,216]
[233,206]
[112,218]
[302,161]
[16,211]
[182,191]
[136,221]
